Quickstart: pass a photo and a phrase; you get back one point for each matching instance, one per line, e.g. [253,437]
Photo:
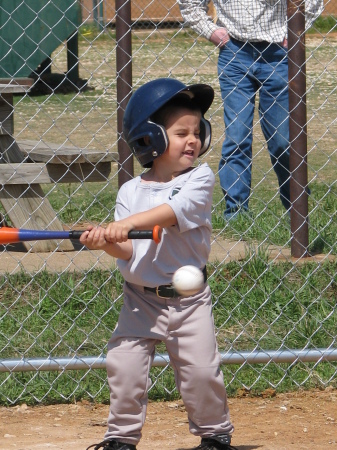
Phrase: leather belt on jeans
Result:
[167,290]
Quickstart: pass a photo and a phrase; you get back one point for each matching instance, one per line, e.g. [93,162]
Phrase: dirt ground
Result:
[304,420]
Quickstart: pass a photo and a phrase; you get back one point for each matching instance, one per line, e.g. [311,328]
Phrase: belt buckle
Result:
[163,296]
[157,292]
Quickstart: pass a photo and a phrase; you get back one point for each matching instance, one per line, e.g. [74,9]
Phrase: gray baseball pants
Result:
[186,327]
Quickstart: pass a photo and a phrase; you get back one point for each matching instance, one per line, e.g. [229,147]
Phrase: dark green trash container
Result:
[31,30]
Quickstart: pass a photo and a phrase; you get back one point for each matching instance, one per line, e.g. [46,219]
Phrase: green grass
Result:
[77,203]
[324,24]
[91,32]
[271,224]
[257,306]
[263,306]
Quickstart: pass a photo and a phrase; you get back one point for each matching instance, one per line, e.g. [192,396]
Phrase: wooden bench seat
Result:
[51,153]
[63,164]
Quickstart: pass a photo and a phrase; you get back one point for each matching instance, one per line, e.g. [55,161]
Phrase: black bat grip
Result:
[154,234]
[75,234]
[140,234]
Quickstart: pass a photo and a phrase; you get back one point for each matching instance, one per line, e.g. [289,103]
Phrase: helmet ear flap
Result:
[205,135]
[158,140]
[150,142]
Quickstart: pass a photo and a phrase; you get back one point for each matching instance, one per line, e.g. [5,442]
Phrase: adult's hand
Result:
[220,37]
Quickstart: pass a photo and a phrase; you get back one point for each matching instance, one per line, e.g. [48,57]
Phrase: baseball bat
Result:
[10,235]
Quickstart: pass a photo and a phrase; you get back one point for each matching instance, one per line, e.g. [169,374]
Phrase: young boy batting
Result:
[164,126]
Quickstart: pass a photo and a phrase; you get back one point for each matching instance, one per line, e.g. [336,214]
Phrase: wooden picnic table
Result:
[24,165]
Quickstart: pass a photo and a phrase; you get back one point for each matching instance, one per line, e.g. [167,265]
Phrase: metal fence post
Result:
[298,129]
[124,84]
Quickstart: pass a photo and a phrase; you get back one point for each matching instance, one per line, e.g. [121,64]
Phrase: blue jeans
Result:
[244,70]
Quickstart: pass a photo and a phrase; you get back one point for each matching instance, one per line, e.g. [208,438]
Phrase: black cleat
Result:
[112,445]
[218,442]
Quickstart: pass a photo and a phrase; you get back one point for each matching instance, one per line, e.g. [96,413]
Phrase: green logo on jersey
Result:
[174,192]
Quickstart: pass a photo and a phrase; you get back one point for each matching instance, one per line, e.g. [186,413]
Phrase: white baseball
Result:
[188,280]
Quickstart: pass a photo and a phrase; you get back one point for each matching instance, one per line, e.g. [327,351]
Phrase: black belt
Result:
[167,290]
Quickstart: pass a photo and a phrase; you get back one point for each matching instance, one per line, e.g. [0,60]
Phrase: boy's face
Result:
[183,131]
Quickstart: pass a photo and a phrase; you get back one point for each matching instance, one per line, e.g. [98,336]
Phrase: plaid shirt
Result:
[245,20]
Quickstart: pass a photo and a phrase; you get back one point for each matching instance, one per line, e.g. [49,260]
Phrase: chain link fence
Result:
[275,315]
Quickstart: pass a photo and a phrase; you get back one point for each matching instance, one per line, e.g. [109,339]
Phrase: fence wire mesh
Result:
[275,316]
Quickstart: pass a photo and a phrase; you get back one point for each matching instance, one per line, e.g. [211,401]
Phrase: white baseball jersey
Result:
[190,197]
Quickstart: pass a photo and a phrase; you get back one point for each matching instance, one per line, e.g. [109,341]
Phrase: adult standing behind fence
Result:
[252,40]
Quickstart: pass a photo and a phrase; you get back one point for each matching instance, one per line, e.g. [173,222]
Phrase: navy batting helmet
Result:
[146,101]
